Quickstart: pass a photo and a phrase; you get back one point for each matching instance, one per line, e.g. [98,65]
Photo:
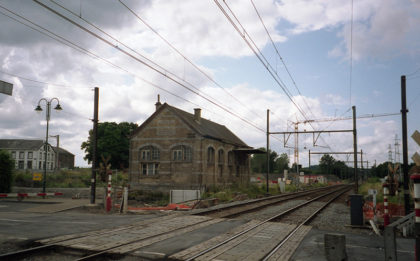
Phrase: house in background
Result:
[65,158]
[30,154]
[177,149]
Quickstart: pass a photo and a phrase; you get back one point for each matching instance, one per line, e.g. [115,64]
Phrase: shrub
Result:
[7,165]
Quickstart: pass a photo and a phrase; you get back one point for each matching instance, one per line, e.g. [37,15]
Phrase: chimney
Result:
[158,104]
[197,115]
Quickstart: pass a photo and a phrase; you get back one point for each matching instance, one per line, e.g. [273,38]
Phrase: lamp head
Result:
[58,108]
[38,108]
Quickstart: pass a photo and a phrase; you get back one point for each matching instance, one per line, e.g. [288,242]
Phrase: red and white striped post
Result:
[386,213]
[108,195]
[416,181]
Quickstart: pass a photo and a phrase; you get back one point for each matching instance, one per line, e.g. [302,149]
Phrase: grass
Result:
[375,183]
[226,194]
[77,178]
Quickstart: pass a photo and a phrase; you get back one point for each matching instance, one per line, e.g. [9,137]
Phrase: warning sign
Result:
[37,177]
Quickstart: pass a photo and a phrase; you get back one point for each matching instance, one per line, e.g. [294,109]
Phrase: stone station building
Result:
[176,149]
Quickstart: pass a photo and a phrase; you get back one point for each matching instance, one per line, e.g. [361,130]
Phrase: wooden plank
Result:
[136,233]
[287,250]
[189,252]
[258,245]
[136,245]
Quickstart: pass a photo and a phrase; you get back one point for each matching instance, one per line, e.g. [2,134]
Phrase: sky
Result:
[318,59]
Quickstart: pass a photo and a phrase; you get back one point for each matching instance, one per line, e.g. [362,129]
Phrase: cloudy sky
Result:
[190,53]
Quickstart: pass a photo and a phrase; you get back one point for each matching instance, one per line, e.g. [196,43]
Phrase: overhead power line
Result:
[185,57]
[280,57]
[82,50]
[37,81]
[148,65]
[254,48]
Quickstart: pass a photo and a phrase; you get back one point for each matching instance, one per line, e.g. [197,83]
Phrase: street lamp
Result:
[48,112]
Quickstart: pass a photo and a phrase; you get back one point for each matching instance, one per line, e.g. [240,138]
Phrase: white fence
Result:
[178,196]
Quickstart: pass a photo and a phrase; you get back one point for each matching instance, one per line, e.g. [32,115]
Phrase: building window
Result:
[182,153]
[231,158]
[149,157]
[149,153]
[21,154]
[149,169]
[40,165]
[29,165]
[13,154]
[21,164]
[221,157]
[210,155]
[30,155]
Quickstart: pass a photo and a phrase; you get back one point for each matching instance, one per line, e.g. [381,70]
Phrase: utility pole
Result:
[268,146]
[309,159]
[95,147]
[404,145]
[356,178]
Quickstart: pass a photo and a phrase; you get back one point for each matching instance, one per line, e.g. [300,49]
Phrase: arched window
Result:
[149,153]
[149,160]
[210,155]
[182,153]
[221,156]
[231,158]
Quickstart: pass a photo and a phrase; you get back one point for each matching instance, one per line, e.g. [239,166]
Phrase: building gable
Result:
[204,128]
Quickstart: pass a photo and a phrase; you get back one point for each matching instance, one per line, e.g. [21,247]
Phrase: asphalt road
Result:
[18,227]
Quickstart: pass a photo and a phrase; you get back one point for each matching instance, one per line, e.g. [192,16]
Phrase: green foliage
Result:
[329,165]
[225,194]
[7,165]
[281,163]
[277,163]
[150,197]
[113,141]
[76,178]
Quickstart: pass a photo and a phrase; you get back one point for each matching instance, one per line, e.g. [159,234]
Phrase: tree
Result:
[7,165]
[282,163]
[327,163]
[113,142]
[259,162]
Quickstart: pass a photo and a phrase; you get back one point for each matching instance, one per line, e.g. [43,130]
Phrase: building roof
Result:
[205,128]
[62,151]
[21,144]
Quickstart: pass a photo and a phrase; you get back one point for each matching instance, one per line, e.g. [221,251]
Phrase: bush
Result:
[7,165]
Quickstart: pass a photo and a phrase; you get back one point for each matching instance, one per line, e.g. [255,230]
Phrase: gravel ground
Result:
[336,217]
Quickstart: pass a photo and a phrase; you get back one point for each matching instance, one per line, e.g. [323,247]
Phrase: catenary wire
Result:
[37,81]
[148,65]
[184,56]
[260,56]
[280,57]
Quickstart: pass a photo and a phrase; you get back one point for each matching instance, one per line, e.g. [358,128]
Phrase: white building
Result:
[29,154]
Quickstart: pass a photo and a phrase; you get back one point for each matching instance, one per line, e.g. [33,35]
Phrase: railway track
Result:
[276,218]
[232,211]
[296,218]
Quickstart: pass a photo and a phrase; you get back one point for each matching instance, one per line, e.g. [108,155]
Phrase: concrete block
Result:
[335,247]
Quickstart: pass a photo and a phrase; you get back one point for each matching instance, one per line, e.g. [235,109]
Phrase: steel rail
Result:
[261,223]
[283,196]
[15,254]
[272,252]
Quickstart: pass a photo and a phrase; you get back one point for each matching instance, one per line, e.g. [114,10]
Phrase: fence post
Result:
[108,196]
[390,243]
[386,214]
[416,181]
[125,200]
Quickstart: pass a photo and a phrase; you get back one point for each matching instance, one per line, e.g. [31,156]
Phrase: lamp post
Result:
[48,112]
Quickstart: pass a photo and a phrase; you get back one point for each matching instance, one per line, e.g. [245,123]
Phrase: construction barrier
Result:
[26,195]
